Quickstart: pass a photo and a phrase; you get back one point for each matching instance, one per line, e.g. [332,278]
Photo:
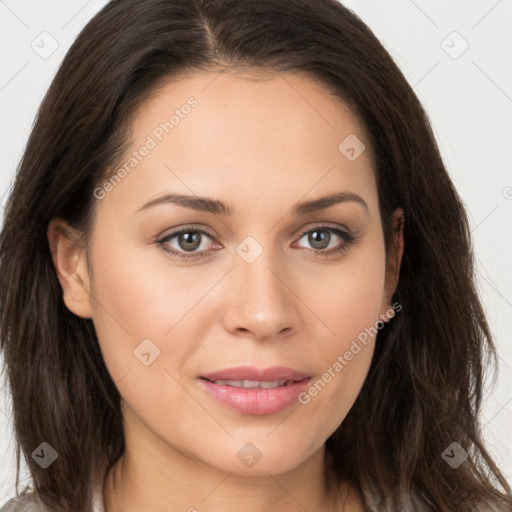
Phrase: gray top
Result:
[26,504]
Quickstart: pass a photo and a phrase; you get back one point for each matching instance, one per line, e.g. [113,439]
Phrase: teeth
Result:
[252,383]
[272,384]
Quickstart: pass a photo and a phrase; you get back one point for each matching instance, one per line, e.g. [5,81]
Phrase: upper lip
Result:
[258,374]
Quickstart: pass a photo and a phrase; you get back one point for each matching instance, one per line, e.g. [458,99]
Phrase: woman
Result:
[239,274]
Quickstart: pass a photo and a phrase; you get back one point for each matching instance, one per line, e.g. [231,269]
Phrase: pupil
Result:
[189,240]
[318,242]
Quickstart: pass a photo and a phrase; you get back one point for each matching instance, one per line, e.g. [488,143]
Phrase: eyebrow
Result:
[218,207]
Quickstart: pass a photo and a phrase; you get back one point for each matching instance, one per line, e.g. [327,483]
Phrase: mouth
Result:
[252,384]
[253,374]
[254,391]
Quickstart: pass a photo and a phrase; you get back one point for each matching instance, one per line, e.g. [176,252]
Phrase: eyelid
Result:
[320,225]
[186,227]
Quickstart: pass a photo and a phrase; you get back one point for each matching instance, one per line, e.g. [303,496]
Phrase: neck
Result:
[152,476]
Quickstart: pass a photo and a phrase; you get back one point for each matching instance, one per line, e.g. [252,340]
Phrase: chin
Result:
[258,459]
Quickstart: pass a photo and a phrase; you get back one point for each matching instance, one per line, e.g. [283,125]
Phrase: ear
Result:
[70,261]
[394,261]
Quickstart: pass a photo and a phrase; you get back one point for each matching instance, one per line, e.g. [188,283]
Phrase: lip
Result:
[253,373]
[255,401]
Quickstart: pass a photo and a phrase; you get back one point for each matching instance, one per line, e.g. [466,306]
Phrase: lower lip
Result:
[255,401]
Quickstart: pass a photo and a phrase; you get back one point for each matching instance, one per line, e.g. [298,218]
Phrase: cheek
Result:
[138,296]
[353,298]
[351,310]
[127,308]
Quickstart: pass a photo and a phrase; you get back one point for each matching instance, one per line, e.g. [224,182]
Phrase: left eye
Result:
[320,238]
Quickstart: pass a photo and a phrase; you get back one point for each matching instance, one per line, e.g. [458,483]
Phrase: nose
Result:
[261,302]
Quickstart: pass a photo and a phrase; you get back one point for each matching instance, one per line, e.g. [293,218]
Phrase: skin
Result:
[260,144]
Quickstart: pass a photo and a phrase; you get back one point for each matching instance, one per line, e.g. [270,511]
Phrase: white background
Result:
[468,99]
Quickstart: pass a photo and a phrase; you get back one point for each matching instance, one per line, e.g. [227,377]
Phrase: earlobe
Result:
[70,262]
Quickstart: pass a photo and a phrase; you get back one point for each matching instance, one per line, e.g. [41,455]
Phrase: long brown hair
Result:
[424,387]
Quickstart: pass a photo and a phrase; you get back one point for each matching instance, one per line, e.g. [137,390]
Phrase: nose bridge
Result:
[260,301]
[260,276]
[255,267]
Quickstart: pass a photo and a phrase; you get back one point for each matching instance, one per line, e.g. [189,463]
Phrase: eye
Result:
[326,240]
[186,243]
[190,242]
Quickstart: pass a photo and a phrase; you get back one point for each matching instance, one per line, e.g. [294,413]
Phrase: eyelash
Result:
[348,240]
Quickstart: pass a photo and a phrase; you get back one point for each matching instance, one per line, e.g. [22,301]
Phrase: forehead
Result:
[216,132]
[291,100]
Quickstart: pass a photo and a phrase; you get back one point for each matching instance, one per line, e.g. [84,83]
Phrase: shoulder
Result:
[28,502]
[375,503]
[23,503]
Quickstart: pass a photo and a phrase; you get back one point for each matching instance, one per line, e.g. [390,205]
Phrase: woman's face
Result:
[264,276]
